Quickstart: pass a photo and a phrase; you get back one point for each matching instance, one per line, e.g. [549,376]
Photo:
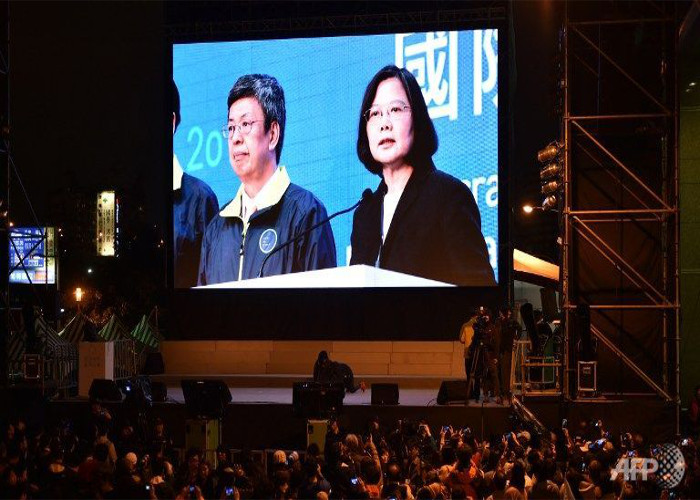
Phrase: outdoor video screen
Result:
[32,255]
[265,149]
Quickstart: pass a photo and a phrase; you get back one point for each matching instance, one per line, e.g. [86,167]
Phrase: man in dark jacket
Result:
[268,210]
[194,206]
[332,372]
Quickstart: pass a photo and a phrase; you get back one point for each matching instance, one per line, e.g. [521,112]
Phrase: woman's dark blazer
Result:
[435,232]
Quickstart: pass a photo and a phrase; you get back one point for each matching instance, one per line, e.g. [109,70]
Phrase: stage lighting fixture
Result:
[550,174]
[549,153]
[550,187]
[549,203]
[550,171]
[528,209]
[78,294]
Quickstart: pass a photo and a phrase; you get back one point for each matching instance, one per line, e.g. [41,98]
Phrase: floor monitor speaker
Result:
[385,394]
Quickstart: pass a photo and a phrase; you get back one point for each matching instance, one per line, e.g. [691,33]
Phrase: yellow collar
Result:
[177,174]
[269,195]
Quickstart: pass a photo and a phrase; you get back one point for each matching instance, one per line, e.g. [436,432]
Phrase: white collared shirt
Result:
[177,174]
[391,201]
[248,206]
[243,206]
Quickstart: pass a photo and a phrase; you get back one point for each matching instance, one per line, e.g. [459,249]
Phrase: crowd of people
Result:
[107,457]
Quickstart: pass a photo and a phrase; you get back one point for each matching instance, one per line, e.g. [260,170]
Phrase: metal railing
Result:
[125,359]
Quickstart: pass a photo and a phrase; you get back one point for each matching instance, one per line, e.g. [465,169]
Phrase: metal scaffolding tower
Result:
[620,217]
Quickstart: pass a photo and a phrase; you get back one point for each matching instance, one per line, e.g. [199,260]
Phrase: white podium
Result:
[358,276]
[96,361]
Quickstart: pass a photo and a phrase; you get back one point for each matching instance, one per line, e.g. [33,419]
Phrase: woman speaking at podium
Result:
[419,221]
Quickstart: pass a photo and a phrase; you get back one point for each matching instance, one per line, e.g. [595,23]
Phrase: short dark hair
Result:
[424,493]
[517,476]
[464,456]
[175,104]
[458,493]
[499,480]
[425,141]
[269,94]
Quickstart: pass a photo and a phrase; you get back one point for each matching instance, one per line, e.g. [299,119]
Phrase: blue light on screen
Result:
[324,80]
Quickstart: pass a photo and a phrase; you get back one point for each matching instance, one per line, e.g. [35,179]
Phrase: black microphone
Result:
[365,194]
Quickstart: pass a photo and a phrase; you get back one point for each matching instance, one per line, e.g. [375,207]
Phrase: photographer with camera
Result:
[481,359]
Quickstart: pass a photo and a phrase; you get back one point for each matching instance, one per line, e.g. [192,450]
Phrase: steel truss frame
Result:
[658,206]
[4,186]
[337,23]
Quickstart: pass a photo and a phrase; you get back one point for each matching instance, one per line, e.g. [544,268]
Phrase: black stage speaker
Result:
[159,392]
[154,364]
[385,394]
[314,400]
[206,399]
[452,391]
[583,332]
[105,390]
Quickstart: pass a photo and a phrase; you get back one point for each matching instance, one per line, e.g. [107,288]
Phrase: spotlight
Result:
[549,171]
[549,153]
[549,203]
[528,209]
[78,294]
[550,188]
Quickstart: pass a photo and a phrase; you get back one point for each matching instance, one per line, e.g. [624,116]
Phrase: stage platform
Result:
[283,396]
[263,417]
[261,414]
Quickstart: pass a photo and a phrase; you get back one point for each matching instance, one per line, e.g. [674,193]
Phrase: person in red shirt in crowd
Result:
[465,474]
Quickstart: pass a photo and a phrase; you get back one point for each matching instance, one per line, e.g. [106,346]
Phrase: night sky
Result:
[86,100]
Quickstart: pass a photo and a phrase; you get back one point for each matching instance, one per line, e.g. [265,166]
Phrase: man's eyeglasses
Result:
[396,110]
[244,128]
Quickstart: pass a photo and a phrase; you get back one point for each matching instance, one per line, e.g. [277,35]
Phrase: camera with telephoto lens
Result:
[479,326]
[481,323]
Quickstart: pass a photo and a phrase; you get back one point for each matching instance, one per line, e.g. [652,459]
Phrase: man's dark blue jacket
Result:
[232,252]
[194,206]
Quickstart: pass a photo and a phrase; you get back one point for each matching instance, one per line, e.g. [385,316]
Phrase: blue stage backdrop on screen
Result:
[324,80]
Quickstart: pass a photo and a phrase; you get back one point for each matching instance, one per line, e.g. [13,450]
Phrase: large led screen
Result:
[441,230]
